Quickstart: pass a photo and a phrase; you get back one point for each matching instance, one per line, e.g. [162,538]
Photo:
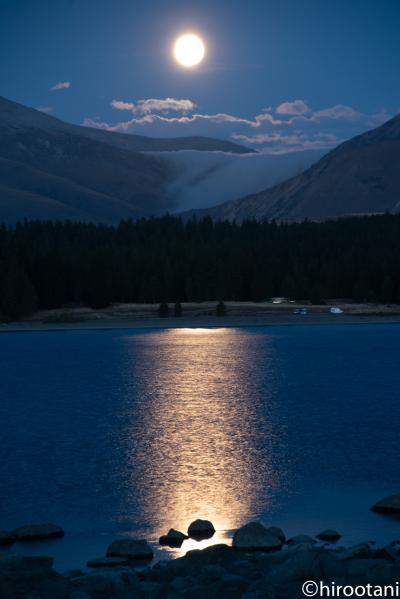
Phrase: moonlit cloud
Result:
[61,85]
[291,126]
[293,108]
[152,105]
[157,105]
[119,105]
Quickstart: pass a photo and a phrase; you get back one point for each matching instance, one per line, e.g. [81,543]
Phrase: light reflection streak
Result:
[194,447]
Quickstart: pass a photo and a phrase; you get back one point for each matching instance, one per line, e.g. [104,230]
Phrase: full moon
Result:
[189,50]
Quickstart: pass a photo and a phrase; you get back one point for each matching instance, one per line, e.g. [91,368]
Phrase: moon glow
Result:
[189,50]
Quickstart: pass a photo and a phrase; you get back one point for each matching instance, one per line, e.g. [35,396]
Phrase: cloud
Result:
[291,126]
[151,105]
[297,107]
[155,105]
[45,109]
[119,105]
[60,85]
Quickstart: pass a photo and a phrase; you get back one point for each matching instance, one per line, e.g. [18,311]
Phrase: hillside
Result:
[52,169]
[361,176]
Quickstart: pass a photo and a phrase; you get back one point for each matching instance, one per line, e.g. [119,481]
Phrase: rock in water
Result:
[301,539]
[38,532]
[130,548]
[388,505]
[277,532]
[255,537]
[6,538]
[173,538]
[329,535]
[201,529]
[108,562]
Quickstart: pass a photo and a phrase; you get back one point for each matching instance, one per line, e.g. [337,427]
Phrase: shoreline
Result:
[208,322]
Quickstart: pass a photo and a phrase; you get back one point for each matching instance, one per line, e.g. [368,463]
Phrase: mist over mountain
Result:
[51,169]
[207,178]
[361,176]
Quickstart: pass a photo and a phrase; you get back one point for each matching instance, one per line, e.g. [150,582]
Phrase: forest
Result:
[58,264]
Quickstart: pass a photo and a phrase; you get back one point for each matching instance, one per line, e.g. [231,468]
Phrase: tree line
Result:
[55,264]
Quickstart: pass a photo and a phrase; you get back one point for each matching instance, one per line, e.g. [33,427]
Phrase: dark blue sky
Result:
[260,54]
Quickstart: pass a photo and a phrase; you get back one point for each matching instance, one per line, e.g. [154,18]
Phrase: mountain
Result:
[360,176]
[52,169]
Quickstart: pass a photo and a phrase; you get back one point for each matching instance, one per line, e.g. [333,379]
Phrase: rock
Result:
[6,538]
[363,550]
[329,535]
[130,548]
[215,554]
[255,537]
[38,532]
[31,577]
[108,562]
[388,505]
[14,563]
[301,539]
[173,538]
[388,553]
[201,529]
[277,532]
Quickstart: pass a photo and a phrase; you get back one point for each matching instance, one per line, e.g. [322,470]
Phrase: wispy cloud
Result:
[61,85]
[290,126]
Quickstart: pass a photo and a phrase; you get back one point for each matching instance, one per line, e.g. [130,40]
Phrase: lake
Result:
[135,431]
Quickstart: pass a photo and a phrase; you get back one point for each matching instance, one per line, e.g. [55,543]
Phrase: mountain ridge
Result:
[360,176]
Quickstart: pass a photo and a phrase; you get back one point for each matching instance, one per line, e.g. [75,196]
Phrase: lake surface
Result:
[136,431]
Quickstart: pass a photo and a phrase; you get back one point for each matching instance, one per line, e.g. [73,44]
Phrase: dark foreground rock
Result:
[255,537]
[201,529]
[38,532]
[108,562]
[388,505]
[31,577]
[130,548]
[173,538]
[217,572]
[213,573]
[329,535]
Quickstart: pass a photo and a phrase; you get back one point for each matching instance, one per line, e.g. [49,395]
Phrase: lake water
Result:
[135,431]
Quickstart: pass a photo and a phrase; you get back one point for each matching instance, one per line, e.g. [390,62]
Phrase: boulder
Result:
[38,532]
[108,562]
[6,538]
[388,552]
[301,539]
[329,535]
[362,550]
[277,532]
[130,548]
[255,537]
[173,538]
[20,565]
[31,577]
[201,529]
[388,505]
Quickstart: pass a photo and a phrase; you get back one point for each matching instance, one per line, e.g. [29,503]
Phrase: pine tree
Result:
[220,309]
[178,309]
[163,310]
[18,296]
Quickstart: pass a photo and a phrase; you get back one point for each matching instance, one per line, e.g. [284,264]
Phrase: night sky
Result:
[278,75]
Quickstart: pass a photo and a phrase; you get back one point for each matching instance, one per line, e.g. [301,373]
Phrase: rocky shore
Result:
[260,563]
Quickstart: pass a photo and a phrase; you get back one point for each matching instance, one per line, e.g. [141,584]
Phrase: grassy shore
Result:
[239,314]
